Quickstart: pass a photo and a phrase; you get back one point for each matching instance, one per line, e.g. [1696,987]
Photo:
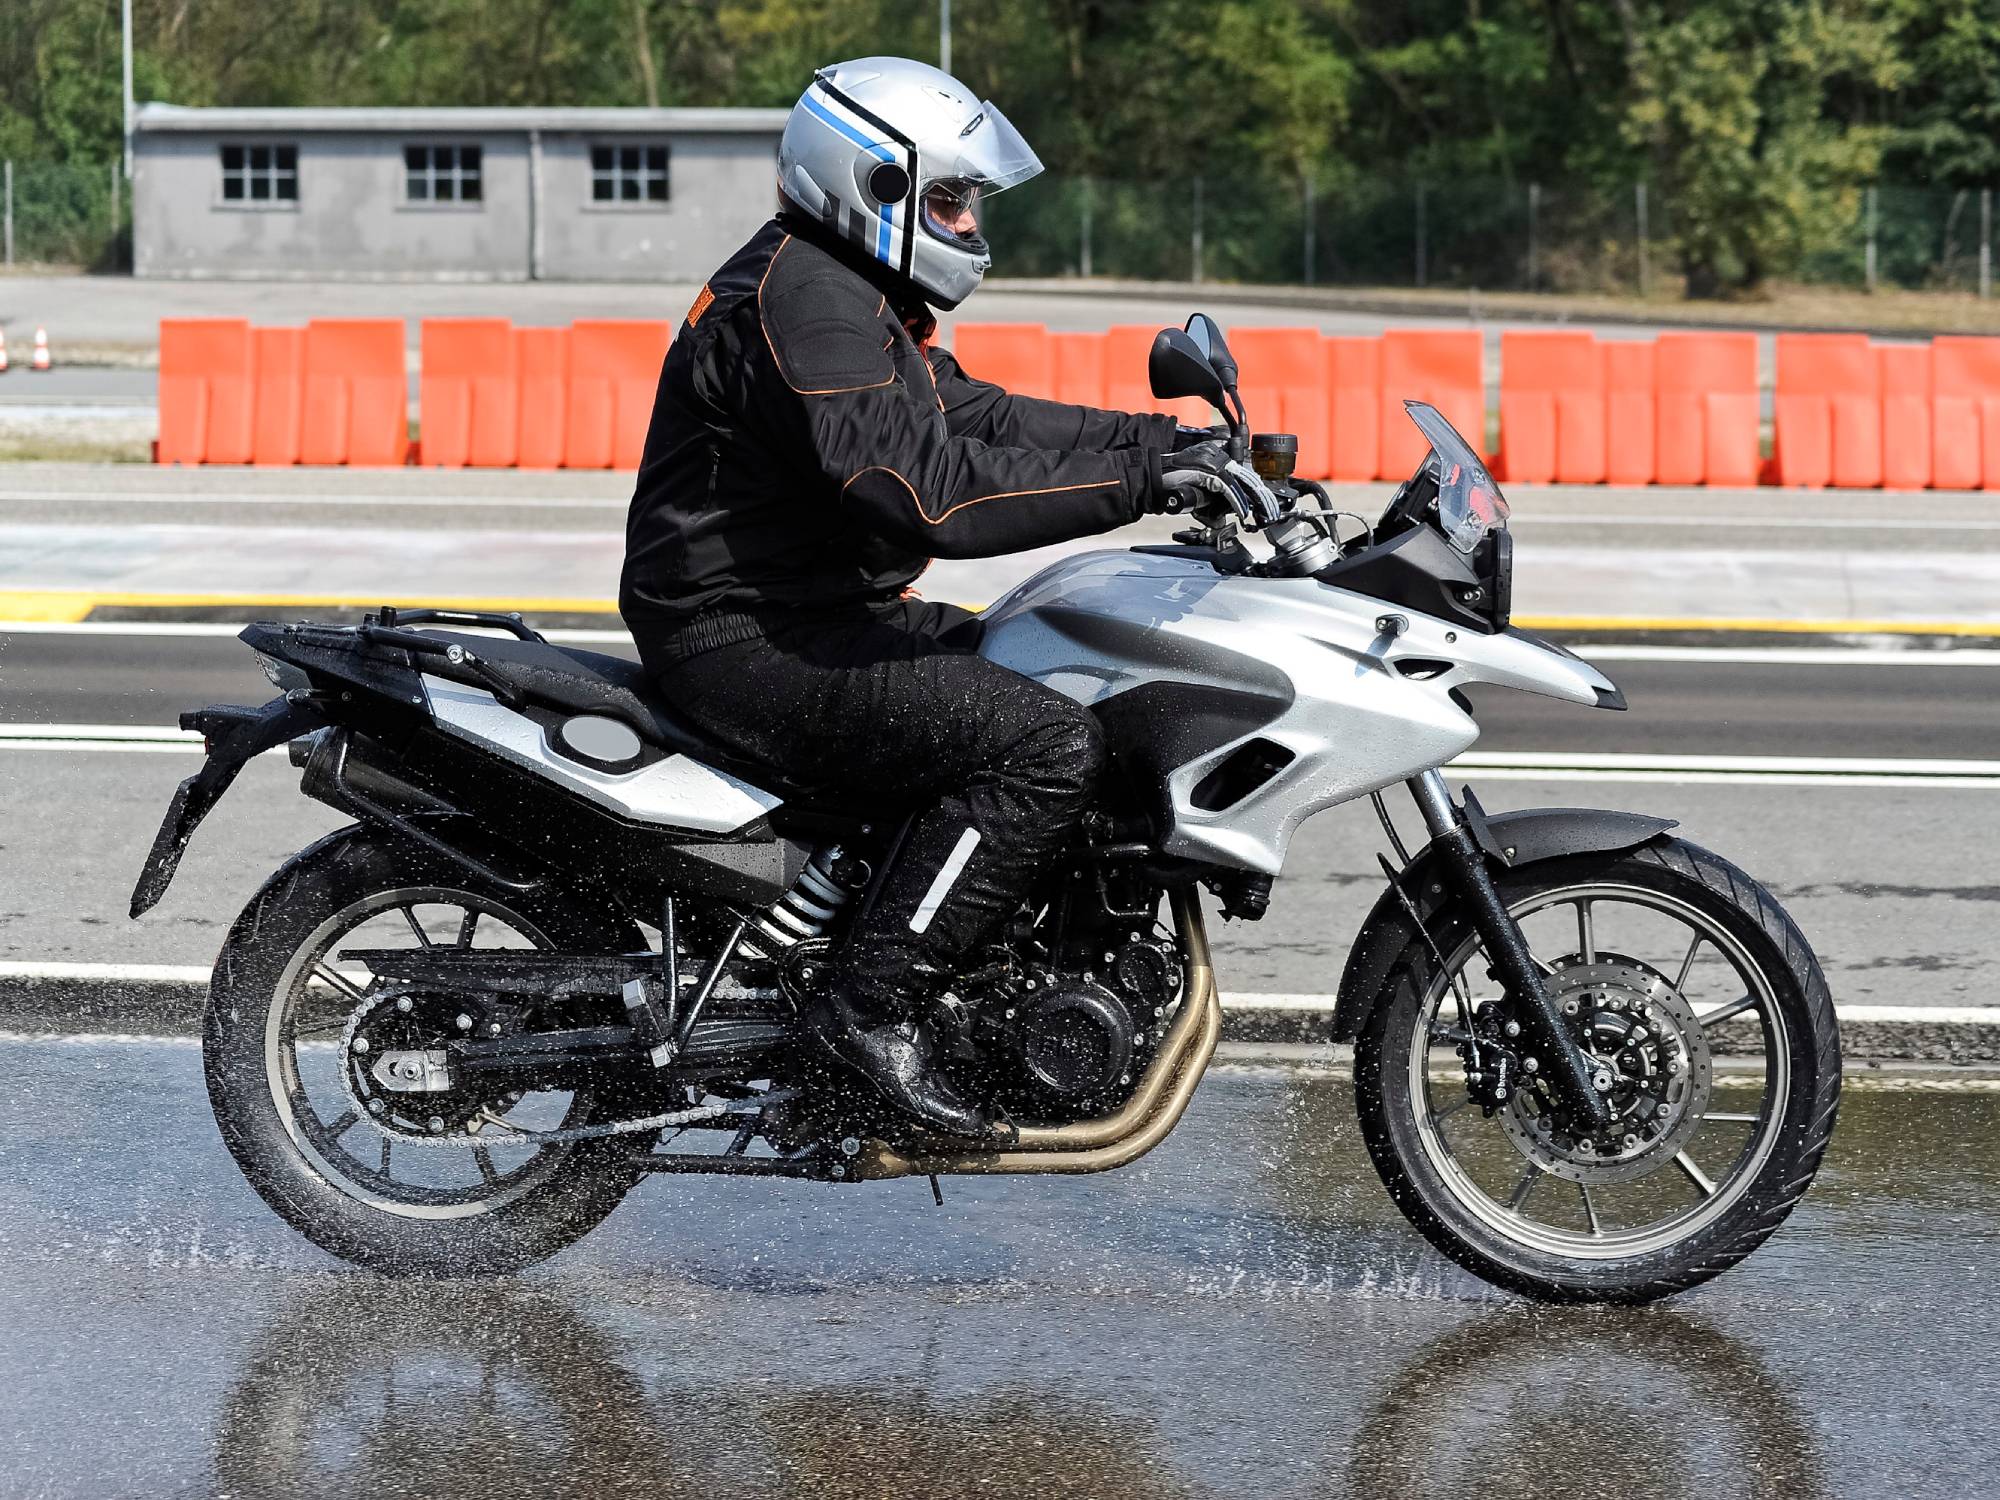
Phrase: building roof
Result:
[179,117]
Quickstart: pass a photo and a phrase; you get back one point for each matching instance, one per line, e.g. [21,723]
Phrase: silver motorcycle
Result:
[558,948]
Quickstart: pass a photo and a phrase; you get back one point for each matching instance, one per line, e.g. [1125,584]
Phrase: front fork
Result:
[1574,1076]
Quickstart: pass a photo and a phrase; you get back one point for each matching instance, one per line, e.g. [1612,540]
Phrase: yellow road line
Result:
[1660,623]
[69,605]
[72,605]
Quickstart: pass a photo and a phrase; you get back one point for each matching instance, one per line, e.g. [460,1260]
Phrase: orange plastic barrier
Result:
[614,371]
[1965,413]
[281,368]
[356,393]
[207,385]
[466,396]
[1444,368]
[1552,407]
[1354,407]
[1629,417]
[1013,356]
[1283,382]
[1828,411]
[1077,368]
[1706,400]
[1903,372]
[1126,386]
[541,364]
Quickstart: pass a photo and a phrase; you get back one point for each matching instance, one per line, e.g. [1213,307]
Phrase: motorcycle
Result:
[559,947]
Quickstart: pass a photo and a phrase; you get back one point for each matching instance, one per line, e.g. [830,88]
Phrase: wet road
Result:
[1240,1313]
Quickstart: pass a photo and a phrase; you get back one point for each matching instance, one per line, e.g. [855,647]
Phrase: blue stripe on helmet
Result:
[819,112]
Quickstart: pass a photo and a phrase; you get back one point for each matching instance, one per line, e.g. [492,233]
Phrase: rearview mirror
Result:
[1177,367]
[1208,339]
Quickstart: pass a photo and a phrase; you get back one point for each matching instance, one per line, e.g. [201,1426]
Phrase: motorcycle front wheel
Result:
[1694,994]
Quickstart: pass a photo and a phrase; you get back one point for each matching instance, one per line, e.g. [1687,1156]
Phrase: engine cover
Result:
[1075,1041]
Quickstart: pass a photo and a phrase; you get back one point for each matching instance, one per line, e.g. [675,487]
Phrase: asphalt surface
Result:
[1894,885]
[1911,704]
[556,540]
[1242,1312]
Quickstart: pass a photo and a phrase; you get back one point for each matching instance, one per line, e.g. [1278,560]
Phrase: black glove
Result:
[1204,477]
[1188,437]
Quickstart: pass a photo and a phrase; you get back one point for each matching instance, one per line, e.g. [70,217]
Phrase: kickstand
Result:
[937,1193]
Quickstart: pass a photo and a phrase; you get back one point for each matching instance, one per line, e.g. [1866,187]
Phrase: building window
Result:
[260,174]
[628,174]
[441,174]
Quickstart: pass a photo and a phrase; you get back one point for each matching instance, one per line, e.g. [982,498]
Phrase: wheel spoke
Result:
[339,1126]
[410,916]
[332,976]
[1728,1012]
[1694,1174]
[1524,1187]
[386,1143]
[465,927]
[1687,964]
[315,1028]
[484,1157]
[1590,1213]
[1586,936]
[1732,1119]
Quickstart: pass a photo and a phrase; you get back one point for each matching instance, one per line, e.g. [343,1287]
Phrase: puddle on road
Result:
[1243,1311]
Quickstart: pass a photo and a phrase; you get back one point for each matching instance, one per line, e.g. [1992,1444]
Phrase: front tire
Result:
[315,1168]
[1451,1182]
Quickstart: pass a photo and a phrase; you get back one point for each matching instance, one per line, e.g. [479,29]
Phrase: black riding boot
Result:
[864,1005]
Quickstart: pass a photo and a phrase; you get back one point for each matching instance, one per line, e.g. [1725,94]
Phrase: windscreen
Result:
[1469,503]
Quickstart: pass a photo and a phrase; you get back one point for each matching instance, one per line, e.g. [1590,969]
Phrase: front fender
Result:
[1518,838]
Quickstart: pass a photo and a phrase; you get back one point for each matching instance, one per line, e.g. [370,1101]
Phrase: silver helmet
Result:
[896,157]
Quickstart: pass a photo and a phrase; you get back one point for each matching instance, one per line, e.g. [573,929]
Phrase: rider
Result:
[810,451]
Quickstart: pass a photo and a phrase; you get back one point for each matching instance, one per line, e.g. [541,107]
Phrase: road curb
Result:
[152,1004]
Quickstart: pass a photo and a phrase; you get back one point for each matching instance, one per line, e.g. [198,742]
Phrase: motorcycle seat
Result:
[591,682]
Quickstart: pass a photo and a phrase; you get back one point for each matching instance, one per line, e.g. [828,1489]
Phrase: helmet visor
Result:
[992,153]
[952,211]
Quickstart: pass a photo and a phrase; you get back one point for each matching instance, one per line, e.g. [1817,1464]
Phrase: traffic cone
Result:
[41,359]
[3,351]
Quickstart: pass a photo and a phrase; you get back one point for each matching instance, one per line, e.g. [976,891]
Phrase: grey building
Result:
[459,194]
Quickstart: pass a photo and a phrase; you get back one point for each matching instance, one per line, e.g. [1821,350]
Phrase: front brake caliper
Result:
[1492,1066]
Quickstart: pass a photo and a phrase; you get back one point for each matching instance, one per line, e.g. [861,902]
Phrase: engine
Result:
[1071,1040]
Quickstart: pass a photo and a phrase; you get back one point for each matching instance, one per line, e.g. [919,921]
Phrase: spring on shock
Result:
[806,910]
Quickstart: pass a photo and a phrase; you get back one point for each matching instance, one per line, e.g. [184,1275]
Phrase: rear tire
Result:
[312,888]
[1463,1225]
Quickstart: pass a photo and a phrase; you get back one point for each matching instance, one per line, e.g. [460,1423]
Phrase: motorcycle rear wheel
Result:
[1451,1180]
[313,1160]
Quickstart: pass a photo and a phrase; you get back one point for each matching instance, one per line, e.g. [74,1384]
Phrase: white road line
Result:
[1240,1000]
[1777,656]
[435,502]
[233,628]
[1749,523]
[1498,765]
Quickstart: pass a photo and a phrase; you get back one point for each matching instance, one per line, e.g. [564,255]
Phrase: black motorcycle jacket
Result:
[809,451]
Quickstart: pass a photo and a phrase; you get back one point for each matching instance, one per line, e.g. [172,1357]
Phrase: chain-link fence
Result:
[1487,234]
[65,214]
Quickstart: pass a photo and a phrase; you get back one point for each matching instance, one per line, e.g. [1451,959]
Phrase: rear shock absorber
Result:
[807,910]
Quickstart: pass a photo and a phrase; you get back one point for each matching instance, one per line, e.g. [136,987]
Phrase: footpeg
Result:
[649,1026]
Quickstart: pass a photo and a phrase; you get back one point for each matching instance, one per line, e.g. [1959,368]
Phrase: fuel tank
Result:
[1238,705]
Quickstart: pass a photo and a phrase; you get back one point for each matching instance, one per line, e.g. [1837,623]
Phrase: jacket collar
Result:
[902,293]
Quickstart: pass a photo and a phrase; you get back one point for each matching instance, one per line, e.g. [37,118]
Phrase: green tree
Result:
[1751,121]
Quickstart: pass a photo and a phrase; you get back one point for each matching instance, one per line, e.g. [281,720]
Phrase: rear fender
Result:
[1513,839]
[234,737]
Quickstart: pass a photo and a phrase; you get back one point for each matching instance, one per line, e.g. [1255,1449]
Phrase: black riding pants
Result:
[894,711]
